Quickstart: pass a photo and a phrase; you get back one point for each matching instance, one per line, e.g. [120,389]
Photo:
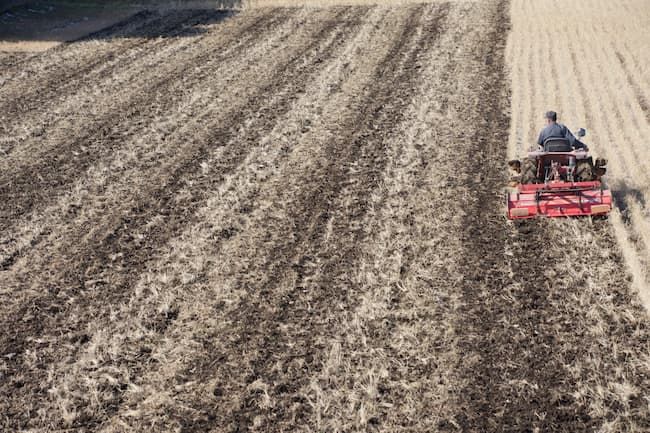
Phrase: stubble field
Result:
[291,219]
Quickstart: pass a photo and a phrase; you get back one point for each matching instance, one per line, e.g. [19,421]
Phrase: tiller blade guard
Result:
[559,199]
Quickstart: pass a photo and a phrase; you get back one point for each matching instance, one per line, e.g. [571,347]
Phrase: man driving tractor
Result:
[560,179]
[553,129]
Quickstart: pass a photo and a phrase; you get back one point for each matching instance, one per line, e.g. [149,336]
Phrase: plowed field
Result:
[291,219]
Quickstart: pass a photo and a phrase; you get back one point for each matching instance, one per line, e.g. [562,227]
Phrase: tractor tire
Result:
[584,171]
[529,172]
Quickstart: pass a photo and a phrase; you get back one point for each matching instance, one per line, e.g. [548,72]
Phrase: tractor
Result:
[557,180]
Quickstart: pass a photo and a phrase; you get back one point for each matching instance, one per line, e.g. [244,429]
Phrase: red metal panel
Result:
[559,199]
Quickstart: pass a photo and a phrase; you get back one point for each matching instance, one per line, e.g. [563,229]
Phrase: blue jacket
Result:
[556,130]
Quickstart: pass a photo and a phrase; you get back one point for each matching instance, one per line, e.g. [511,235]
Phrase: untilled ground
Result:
[292,219]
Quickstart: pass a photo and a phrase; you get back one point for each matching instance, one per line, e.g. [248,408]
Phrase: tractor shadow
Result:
[624,195]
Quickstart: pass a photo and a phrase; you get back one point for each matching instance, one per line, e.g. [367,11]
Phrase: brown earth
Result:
[291,219]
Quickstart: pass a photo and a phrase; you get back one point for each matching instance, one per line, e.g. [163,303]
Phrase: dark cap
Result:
[551,115]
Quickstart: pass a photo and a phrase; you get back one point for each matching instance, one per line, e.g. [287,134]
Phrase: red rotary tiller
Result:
[558,181]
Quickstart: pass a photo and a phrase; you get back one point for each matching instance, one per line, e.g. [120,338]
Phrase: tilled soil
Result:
[291,220]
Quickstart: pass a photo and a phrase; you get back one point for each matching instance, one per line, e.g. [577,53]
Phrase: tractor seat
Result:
[557,144]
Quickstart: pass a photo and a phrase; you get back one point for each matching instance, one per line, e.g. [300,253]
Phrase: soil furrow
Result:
[34,111]
[320,206]
[184,170]
[391,352]
[516,377]
[133,252]
[294,76]
[269,157]
[153,150]
[539,356]
[292,220]
[154,200]
[505,360]
[27,96]
[265,169]
[11,62]
[24,193]
[31,61]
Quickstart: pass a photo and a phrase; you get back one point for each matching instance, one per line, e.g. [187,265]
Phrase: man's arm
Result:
[540,140]
[569,136]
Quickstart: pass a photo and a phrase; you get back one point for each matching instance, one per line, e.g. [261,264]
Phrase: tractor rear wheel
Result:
[584,171]
[529,172]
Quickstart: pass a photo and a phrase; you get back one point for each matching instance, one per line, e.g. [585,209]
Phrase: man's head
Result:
[551,117]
